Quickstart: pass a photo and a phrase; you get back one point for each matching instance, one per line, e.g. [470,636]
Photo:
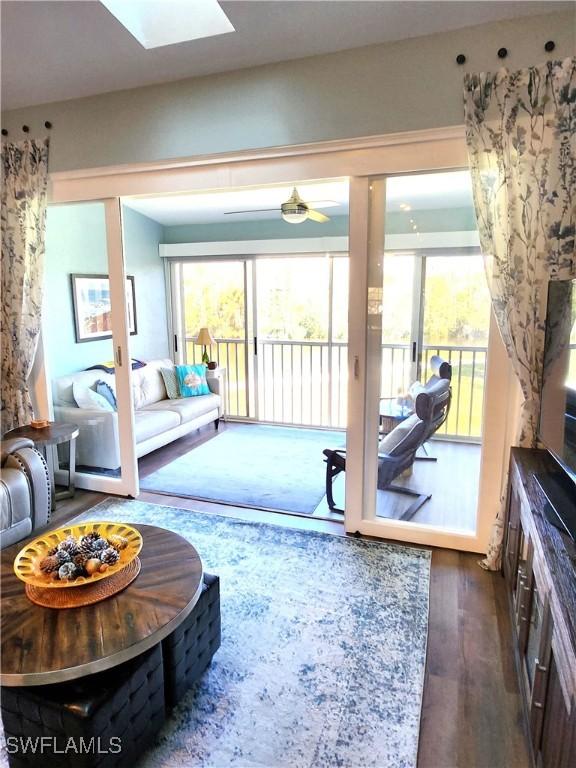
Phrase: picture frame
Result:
[92,307]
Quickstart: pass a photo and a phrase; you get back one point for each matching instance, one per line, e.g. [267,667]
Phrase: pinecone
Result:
[62,556]
[110,556]
[52,551]
[98,546]
[69,545]
[80,560]
[118,542]
[86,550]
[68,572]
[89,538]
[49,564]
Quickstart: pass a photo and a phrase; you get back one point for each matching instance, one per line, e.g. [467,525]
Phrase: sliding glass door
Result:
[214,295]
[280,330]
[426,298]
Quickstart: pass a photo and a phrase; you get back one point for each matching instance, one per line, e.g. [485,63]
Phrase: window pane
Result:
[293,298]
[214,299]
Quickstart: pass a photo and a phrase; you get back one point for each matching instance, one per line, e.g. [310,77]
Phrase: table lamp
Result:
[206,339]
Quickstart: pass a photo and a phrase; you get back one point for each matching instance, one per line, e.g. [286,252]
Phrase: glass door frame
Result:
[127,484]
[177,325]
[367,229]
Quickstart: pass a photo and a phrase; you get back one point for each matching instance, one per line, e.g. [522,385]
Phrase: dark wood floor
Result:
[448,508]
[471,715]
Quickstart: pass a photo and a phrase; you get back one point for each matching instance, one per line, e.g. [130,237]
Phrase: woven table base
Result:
[74,597]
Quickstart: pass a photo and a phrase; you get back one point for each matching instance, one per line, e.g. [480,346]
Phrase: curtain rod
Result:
[26,128]
[503,52]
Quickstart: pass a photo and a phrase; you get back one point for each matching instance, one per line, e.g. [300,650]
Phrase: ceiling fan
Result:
[295,210]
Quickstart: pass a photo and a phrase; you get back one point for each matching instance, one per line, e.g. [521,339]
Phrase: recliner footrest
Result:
[188,651]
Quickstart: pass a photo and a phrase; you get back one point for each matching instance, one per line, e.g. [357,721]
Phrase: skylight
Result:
[155,23]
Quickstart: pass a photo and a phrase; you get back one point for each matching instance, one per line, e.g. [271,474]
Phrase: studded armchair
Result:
[24,491]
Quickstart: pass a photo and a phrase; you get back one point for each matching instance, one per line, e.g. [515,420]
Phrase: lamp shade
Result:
[205,337]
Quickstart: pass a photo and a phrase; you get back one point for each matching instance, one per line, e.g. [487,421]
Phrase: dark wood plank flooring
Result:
[448,508]
[472,711]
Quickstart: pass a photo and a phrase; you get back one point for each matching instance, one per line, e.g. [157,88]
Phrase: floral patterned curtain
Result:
[24,182]
[521,136]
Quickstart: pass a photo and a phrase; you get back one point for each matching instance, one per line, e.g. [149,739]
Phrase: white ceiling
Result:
[54,50]
[210,207]
[419,192]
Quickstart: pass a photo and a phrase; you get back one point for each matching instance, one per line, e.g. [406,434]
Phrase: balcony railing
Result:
[305,382]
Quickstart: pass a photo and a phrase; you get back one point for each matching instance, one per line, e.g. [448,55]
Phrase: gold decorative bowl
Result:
[27,562]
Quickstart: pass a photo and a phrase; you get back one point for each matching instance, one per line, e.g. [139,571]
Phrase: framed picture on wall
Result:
[92,308]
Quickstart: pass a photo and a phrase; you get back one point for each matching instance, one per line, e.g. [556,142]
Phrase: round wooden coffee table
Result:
[56,433]
[46,645]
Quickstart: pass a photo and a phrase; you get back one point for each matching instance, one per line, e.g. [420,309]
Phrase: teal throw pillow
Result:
[192,380]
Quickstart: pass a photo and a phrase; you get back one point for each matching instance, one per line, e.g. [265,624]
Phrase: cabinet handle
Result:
[537,705]
[540,667]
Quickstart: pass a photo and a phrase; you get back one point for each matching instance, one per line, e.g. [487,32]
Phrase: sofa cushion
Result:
[188,408]
[148,384]
[88,399]
[62,388]
[151,423]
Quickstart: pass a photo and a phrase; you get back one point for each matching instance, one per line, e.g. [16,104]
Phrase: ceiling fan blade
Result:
[317,216]
[254,210]
[324,203]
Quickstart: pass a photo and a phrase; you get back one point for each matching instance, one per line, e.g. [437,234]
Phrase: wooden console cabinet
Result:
[539,565]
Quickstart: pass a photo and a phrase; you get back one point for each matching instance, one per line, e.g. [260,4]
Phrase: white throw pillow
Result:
[89,400]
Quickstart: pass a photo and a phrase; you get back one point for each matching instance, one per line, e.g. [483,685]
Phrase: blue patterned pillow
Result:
[106,391]
[192,380]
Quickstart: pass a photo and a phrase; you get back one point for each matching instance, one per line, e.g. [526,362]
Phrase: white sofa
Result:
[157,420]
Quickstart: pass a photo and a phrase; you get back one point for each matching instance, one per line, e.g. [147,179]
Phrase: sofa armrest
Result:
[214,384]
[97,444]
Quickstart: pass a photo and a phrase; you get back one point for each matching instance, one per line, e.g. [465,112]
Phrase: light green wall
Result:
[76,244]
[269,229]
[141,239]
[408,85]
[442,220]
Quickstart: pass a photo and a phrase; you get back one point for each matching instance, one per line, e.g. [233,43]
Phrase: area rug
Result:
[253,465]
[323,648]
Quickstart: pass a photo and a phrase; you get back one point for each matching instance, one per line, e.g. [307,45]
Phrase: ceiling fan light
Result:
[295,217]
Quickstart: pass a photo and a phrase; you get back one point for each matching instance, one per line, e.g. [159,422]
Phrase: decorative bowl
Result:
[26,564]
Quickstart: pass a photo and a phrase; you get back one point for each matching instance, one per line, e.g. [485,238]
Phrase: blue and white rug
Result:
[253,465]
[323,648]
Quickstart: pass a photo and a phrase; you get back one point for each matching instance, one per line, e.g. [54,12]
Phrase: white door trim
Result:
[393,153]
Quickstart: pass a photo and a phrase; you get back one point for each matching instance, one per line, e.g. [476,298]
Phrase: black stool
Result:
[109,718]
[189,649]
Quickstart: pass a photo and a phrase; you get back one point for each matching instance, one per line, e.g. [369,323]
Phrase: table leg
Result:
[69,492]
